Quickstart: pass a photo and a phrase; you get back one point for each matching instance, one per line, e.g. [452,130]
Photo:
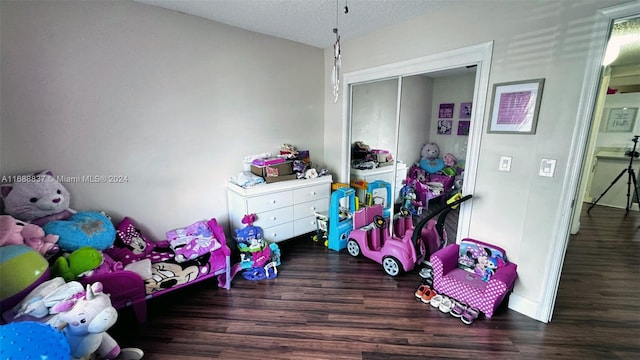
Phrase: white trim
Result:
[581,130]
[480,94]
[479,55]
[523,305]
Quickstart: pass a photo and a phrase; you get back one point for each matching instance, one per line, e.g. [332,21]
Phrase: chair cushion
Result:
[480,258]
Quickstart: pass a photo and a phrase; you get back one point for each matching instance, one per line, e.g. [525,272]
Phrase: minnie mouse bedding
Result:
[189,255]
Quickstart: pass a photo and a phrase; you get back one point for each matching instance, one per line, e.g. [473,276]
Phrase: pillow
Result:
[85,228]
[480,258]
[130,244]
[192,241]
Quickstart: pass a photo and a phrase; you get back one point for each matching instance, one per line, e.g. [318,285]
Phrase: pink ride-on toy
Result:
[401,251]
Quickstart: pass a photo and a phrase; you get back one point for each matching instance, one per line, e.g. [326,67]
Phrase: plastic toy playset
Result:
[258,258]
[404,247]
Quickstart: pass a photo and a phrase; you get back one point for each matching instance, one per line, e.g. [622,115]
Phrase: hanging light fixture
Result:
[337,60]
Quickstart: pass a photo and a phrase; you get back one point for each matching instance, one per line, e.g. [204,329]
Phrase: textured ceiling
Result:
[309,22]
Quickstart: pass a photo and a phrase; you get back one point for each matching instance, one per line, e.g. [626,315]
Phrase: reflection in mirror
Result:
[375,127]
[373,137]
[373,122]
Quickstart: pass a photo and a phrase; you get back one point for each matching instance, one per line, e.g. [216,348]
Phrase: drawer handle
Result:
[274,235]
[313,193]
[313,208]
[273,218]
[273,201]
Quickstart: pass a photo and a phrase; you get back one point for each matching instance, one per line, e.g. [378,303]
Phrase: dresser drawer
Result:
[310,207]
[311,193]
[279,232]
[305,225]
[268,202]
[274,217]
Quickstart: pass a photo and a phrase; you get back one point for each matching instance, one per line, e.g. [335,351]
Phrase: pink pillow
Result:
[130,244]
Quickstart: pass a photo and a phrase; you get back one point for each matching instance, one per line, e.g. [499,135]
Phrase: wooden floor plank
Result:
[329,305]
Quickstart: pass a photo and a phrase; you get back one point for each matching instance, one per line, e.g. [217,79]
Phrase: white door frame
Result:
[479,55]
[580,138]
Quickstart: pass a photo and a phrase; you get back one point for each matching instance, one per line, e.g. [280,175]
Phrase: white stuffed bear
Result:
[430,161]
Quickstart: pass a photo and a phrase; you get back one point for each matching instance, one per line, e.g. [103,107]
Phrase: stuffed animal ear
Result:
[5,190]
[45,172]
[61,307]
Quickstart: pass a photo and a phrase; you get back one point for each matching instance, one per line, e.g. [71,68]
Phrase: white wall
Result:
[415,107]
[517,210]
[374,108]
[171,101]
[451,89]
[619,139]
[374,114]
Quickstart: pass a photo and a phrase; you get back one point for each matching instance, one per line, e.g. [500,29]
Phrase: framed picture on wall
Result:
[465,110]
[463,127]
[515,106]
[445,127]
[621,119]
[446,111]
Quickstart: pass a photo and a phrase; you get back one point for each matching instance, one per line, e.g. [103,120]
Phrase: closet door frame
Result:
[476,55]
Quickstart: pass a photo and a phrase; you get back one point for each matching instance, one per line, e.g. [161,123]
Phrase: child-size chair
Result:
[474,272]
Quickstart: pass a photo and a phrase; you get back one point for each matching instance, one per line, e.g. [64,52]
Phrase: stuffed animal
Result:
[38,199]
[86,317]
[430,161]
[458,181]
[85,228]
[44,297]
[16,232]
[77,263]
[449,160]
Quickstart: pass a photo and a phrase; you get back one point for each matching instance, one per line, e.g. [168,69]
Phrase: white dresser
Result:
[283,209]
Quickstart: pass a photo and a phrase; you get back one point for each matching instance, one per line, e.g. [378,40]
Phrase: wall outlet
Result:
[505,163]
[547,167]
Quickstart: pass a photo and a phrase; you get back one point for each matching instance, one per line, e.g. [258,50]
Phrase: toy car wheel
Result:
[391,266]
[353,248]
[380,222]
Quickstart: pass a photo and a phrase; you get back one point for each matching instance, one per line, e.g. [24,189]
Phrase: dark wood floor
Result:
[329,305]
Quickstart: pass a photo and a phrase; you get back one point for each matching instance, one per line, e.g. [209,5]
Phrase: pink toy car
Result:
[407,247]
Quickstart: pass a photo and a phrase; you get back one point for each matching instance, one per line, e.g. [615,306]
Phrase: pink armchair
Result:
[457,274]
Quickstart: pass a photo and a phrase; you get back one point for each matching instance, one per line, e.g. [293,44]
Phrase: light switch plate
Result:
[505,163]
[547,167]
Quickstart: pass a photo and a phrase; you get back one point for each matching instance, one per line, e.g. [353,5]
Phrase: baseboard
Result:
[525,307]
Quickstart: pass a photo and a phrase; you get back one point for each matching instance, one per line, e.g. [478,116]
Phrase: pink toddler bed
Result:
[198,257]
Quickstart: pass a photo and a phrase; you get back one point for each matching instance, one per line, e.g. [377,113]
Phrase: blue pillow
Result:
[88,228]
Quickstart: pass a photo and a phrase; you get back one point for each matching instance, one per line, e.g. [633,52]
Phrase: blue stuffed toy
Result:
[86,228]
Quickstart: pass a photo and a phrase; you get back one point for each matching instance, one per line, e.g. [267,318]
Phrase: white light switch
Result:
[547,167]
[505,163]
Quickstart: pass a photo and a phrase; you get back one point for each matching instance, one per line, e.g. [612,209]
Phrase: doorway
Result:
[584,148]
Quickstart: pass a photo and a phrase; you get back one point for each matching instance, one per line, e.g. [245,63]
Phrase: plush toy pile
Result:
[37,215]
[432,176]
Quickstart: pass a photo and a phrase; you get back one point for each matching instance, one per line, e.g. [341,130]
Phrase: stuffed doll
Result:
[16,232]
[85,319]
[39,199]
[449,160]
[430,161]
